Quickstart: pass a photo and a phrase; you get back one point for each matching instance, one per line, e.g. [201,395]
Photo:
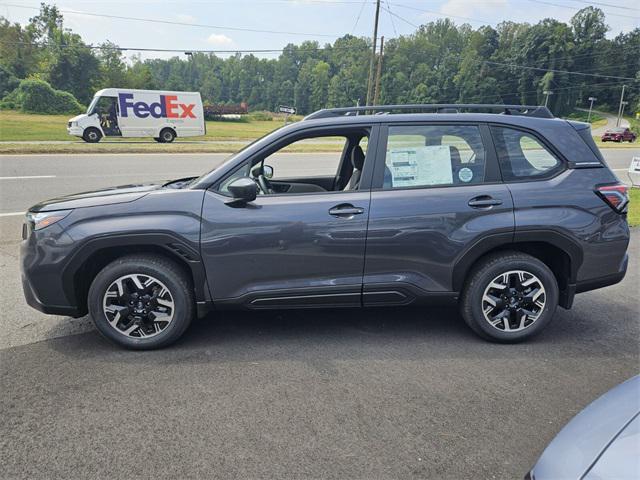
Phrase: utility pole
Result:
[546,98]
[373,54]
[591,100]
[379,72]
[621,107]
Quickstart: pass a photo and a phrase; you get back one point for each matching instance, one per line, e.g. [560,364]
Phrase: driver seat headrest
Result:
[357,158]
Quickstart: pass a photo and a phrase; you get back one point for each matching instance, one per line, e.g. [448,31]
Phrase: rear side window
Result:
[522,156]
[433,155]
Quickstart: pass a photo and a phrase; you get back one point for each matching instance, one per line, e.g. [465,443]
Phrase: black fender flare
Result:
[490,242]
[175,247]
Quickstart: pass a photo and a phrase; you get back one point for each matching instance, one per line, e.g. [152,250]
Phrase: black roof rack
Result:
[524,110]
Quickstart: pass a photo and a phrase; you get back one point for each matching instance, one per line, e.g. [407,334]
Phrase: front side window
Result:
[293,170]
[522,156]
[434,155]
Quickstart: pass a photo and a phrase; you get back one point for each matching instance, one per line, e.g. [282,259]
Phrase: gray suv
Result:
[504,209]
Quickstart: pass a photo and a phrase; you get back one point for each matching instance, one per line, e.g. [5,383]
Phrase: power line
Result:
[280,50]
[399,17]
[433,12]
[393,23]
[184,24]
[183,50]
[358,17]
[574,8]
[526,67]
[589,3]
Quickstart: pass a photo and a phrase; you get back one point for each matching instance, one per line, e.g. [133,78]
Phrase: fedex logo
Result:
[167,107]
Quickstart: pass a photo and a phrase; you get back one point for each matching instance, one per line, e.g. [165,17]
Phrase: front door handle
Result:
[345,210]
[484,201]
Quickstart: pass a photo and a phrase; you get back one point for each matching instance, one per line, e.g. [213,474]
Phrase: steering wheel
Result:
[264,185]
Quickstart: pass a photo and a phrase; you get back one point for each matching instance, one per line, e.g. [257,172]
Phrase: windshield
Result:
[92,105]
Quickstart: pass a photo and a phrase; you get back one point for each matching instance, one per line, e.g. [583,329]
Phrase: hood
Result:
[77,117]
[585,439]
[108,196]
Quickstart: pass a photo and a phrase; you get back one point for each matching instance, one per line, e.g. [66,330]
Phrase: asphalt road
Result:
[371,394]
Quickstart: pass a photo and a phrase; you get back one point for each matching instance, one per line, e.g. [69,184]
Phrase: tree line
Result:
[440,62]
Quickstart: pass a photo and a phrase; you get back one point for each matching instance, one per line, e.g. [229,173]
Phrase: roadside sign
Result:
[287,110]
[634,169]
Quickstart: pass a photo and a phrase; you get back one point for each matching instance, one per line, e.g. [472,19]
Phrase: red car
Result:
[619,135]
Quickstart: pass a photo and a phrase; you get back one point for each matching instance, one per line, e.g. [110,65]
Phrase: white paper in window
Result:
[415,166]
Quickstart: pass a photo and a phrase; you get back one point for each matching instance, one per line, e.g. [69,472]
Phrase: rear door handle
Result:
[484,201]
[345,210]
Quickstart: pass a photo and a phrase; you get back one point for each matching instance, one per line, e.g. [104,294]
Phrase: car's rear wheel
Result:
[91,135]
[141,302]
[509,297]
[167,135]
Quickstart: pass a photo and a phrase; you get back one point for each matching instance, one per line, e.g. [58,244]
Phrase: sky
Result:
[224,24]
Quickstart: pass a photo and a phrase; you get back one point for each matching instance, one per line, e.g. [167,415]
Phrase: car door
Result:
[436,195]
[301,249]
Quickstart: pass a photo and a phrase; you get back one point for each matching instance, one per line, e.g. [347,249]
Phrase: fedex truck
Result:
[121,112]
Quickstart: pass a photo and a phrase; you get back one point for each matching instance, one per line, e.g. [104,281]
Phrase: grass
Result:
[633,217]
[21,127]
[596,120]
[150,147]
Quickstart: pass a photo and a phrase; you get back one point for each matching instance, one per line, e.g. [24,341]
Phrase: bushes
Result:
[37,96]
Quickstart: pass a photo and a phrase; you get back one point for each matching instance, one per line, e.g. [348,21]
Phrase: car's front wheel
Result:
[509,297]
[141,302]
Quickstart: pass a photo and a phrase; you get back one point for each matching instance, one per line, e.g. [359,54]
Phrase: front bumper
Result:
[75,131]
[43,255]
[33,301]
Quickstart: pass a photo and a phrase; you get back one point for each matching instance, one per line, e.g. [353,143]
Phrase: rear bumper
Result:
[605,281]
[568,294]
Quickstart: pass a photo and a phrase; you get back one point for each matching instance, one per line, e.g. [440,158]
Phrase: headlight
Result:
[40,220]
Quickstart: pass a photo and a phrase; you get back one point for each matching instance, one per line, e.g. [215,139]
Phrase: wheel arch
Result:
[169,127]
[95,254]
[560,253]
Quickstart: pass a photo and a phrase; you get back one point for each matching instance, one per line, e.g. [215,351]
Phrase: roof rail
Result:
[524,110]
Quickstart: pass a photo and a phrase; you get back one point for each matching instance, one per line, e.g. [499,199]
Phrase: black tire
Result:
[91,135]
[167,135]
[157,139]
[164,270]
[471,302]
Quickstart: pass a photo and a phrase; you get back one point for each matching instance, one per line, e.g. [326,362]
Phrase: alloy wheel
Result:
[138,306]
[513,301]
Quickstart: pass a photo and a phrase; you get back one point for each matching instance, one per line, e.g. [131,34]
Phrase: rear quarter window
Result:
[523,156]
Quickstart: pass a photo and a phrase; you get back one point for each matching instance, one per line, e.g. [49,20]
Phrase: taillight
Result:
[616,196]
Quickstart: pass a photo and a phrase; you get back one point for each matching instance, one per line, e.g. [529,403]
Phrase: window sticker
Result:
[413,166]
[465,174]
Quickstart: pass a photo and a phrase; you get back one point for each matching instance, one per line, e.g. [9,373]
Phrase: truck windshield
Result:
[92,105]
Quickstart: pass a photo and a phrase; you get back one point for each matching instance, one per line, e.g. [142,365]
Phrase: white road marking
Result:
[27,177]
[11,214]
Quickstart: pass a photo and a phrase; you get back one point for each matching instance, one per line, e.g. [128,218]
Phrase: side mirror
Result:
[243,190]
[267,171]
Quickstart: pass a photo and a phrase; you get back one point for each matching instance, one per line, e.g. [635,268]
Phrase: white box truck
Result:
[122,112]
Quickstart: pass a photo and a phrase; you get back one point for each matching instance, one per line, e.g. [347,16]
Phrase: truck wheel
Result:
[167,135]
[91,135]
[141,302]
[509,297]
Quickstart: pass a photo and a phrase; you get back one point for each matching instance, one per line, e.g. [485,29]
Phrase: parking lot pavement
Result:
[375,394]
[334,394]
